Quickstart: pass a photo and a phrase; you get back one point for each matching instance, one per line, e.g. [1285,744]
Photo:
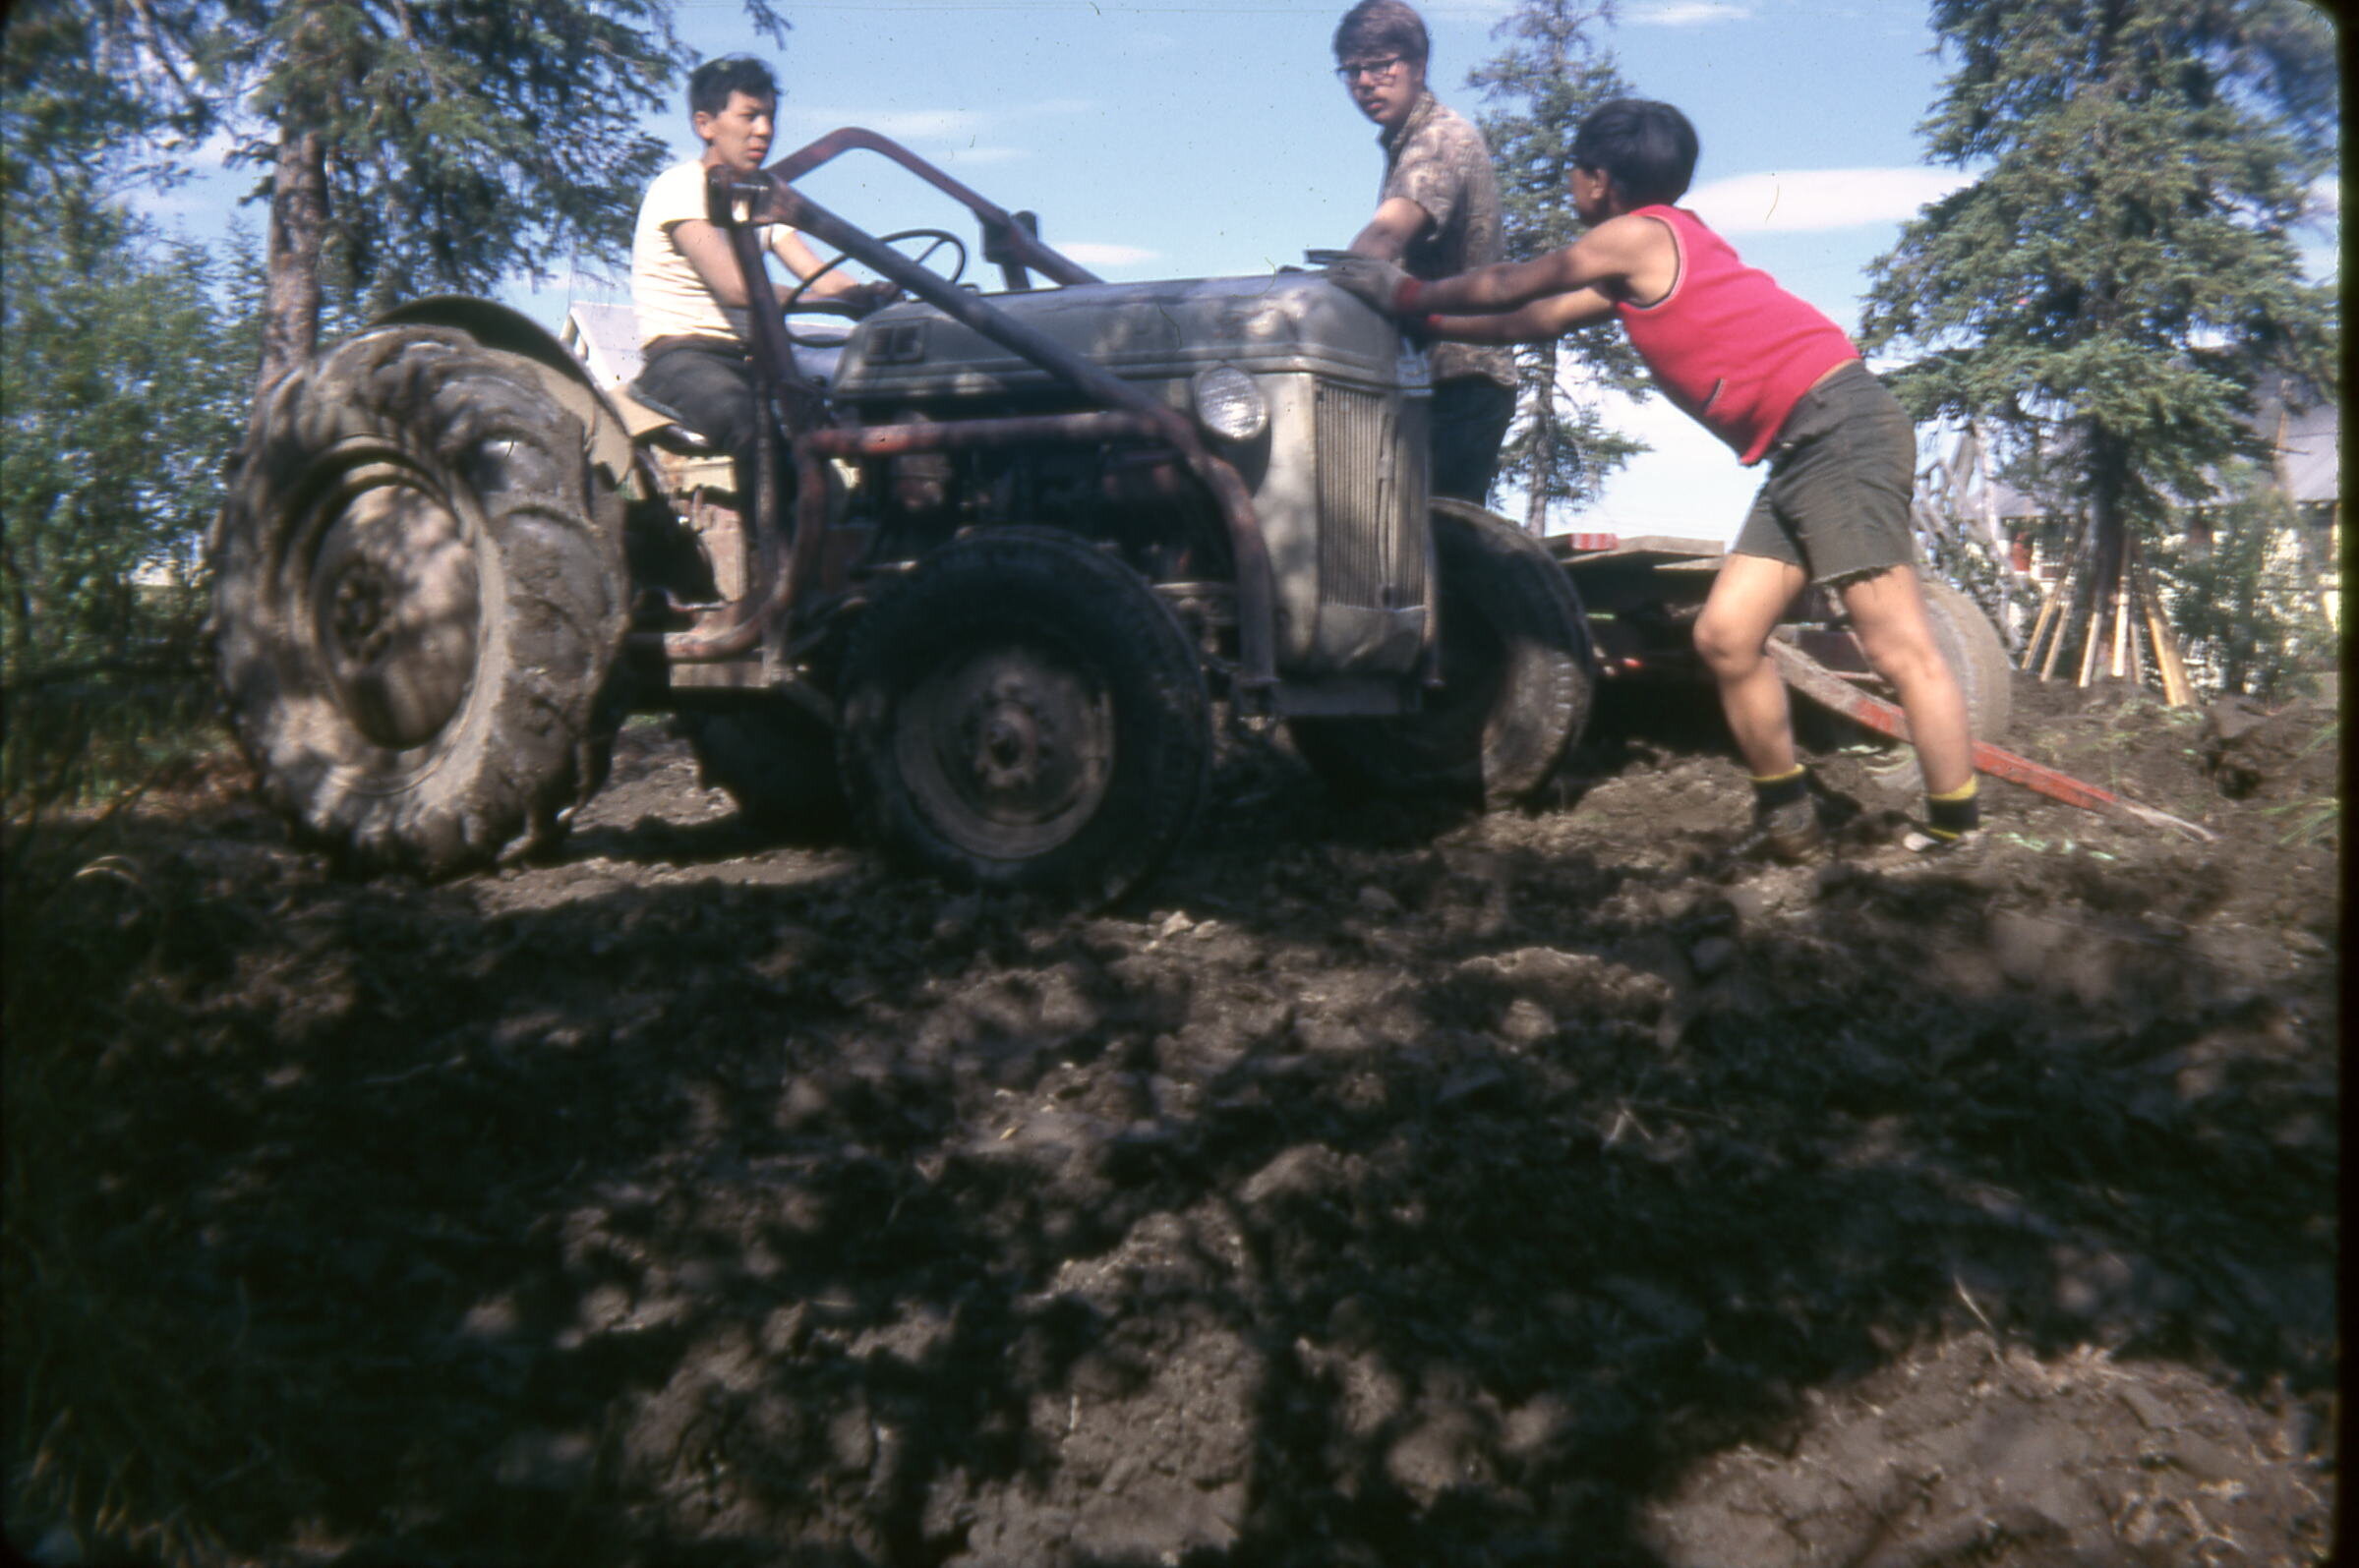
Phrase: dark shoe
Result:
[1788,835]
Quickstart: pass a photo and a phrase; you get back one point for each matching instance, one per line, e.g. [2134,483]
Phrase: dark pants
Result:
[709,384]
[1842,476]
[1471,415]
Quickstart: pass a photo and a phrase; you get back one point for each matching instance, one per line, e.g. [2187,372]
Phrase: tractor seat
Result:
[659,424]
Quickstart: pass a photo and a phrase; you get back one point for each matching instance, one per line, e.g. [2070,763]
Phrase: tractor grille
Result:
[1371,549]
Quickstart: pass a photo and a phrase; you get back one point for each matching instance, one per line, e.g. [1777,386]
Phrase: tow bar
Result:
[1822,685]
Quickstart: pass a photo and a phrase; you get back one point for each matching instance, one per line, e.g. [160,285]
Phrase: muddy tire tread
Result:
[529,741]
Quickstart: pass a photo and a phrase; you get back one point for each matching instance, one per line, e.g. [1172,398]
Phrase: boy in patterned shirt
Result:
[1436,213]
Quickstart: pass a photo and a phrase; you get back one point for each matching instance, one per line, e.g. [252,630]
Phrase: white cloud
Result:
[1807,200]
[2326,197]
[904,124]
[1092,254]
[1686,13]
[950,137]
[928,125]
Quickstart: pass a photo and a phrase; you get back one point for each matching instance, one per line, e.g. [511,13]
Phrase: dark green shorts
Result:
[1841,473]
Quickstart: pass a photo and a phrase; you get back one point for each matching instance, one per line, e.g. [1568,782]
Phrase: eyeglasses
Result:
[1373,70]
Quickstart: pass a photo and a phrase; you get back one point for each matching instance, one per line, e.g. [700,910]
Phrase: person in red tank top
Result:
[1772,376]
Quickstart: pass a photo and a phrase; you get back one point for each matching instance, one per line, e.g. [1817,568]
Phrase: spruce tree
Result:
[2111,291]
[410,147]
[1542,84]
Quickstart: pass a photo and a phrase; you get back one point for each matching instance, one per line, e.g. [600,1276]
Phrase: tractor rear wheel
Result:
[1516,678]
[418,597]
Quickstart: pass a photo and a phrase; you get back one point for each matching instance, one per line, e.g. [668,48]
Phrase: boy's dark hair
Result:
[711,84]
[1648,148]
[1373,28]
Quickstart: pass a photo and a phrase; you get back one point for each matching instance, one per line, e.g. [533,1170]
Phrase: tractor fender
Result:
[1467,509]
[606,433]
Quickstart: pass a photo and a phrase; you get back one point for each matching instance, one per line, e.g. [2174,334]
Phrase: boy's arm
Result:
[802,261]
[1397,221]
[707,248]
[1541,320]
[1601,260]
[1504,287]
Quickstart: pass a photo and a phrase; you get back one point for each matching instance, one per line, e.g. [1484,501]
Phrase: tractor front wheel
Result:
[1022,712]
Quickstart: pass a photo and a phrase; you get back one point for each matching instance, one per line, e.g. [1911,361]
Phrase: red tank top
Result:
[1726,344]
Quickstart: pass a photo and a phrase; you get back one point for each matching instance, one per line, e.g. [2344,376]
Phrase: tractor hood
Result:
[1290,322]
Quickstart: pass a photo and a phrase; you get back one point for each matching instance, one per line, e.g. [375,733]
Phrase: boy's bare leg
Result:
[1888,614]
[1749,596]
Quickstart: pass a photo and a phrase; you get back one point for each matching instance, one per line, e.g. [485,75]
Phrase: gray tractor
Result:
[1004,555]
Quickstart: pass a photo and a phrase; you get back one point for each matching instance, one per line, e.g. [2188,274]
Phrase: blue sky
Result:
[1204,138]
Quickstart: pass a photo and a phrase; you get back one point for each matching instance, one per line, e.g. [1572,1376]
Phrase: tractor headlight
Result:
[1229,404]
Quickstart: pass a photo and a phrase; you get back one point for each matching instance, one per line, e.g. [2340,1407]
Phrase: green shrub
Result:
[123,372]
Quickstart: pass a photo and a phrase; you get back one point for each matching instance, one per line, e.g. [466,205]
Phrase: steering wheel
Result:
[936,239]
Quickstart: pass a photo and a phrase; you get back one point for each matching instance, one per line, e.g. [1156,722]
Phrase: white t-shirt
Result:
[667,297]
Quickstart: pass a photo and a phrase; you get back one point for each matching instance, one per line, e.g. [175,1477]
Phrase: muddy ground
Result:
[1381,1186]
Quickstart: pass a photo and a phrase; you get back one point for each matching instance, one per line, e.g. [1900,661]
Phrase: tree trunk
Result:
[1543,446]
[2110,554]
[298,230]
